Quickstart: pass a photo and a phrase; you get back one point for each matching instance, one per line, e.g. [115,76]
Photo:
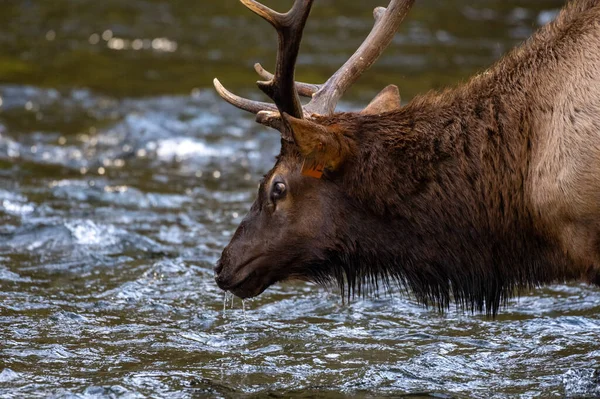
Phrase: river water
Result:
[122,177]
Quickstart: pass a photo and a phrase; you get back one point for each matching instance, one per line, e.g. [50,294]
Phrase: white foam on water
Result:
[17,209]
[15,204]
[87,232]
[183,148]
[8,375]
[8,275]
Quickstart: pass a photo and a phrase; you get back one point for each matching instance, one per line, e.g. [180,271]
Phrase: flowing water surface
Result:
[122,177]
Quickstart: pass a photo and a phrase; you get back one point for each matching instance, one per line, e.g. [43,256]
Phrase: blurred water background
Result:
[122,177]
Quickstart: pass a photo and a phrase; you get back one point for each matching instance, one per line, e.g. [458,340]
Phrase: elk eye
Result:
[278,191]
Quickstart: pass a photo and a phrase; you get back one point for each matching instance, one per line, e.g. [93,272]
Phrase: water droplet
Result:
[101,170]
[83,171]
[141,153]
[244,316]
[28,105]
[62,140]
[217,174]
[235,215]
[199,173]
[33,149]
[50,35]
[225,301]
[107,35]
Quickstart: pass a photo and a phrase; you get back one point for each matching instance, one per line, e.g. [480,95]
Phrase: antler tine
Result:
[269,15]
[281,87]
[386,24]
[242,103]
[378,12]
[304,89]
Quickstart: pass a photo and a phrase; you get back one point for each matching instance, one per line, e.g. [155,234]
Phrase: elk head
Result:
[302,221]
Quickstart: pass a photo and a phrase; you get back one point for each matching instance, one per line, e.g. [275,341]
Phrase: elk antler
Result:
[281,86]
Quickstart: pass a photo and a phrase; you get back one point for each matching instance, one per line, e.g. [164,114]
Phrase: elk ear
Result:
[323,147]
[387,100]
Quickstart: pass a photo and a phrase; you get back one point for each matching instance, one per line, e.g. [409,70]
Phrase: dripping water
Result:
[225,295]
[245,319]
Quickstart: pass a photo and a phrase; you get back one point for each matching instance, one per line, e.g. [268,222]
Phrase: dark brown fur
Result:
[470,195]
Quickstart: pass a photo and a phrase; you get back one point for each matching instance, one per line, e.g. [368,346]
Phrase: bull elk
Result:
[471,195]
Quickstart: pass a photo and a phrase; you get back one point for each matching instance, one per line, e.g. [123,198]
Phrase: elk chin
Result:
[246,281]
[250,287]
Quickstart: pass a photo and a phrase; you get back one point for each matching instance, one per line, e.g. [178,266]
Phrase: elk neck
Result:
[445,180]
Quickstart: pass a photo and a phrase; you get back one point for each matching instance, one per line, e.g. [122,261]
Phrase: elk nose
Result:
[218,268]
[223,281]
[220,281]
[219,277]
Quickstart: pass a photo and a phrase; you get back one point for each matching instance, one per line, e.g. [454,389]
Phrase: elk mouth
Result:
[246,282]
[249,287]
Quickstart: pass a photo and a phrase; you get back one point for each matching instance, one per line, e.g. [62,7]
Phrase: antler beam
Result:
[281,86]
[289,26]
[304,89]
[387,22]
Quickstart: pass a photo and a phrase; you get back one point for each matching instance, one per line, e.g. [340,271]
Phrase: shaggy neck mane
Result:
[447,199]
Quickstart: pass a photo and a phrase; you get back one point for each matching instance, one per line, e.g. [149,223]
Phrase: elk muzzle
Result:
[244,276]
